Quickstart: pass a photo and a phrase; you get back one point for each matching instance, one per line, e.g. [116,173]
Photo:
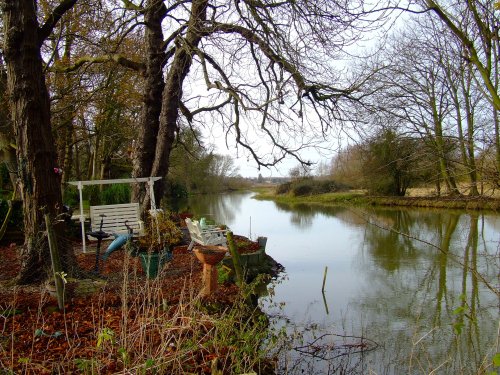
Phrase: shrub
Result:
[4,176]
[283,188]
[111,194]
[70,196]
[116,194]
[309,186]
[16,218]
[302,187]
[328,186]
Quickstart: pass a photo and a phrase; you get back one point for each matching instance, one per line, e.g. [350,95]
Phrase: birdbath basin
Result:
[209,256]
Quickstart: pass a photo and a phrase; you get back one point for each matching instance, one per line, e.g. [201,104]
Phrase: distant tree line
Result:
[431,112]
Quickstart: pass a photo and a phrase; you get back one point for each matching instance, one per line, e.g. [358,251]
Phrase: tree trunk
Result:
[466,146]
[471,158]
[157,163]
[152,97]
[496,121]
[444,163]
[172,94]
[36,153]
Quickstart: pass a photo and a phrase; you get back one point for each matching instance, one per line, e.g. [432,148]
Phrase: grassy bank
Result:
[356,197]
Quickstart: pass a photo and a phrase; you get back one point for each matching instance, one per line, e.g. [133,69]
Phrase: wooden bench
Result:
[205,237]
[115,217]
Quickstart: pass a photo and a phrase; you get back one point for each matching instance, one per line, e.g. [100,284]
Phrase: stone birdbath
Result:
[209,256]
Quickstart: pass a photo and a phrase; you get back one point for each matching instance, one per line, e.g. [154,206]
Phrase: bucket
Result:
[152,263]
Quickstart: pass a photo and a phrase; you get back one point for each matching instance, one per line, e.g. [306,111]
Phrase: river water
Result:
[406,291]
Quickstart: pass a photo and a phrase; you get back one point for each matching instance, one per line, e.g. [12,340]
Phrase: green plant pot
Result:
[152,263]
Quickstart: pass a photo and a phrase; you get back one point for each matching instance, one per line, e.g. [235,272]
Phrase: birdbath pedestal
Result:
[209,256]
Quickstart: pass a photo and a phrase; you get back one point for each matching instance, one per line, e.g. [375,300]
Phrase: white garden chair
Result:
[205,237]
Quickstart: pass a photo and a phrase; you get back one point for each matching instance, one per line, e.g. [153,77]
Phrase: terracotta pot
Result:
[210,254]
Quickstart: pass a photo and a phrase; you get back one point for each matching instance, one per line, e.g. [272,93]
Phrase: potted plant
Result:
[155,247]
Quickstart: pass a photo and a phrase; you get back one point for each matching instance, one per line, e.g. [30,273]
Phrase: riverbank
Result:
[359,198]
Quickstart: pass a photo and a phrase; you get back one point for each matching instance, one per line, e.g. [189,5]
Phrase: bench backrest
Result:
[211,236]
[115,217]
[194,229]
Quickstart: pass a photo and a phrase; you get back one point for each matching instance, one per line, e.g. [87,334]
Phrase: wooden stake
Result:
[235,255]
[56,263]
[324,279]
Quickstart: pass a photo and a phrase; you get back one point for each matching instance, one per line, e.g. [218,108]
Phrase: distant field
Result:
[431,191]
[416,197]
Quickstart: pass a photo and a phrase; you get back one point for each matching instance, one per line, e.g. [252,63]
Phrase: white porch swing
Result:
[118,216]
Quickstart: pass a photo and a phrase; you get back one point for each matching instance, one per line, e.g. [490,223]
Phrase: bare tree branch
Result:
[46,29]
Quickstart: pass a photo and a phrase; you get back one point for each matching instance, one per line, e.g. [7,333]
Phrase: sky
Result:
[245,163]
[248,167]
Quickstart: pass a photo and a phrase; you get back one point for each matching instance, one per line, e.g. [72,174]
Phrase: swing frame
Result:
[80,185]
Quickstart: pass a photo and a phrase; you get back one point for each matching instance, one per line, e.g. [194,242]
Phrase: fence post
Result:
[56,262]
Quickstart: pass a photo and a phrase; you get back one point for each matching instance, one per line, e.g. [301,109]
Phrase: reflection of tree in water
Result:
[387,246]
[302,215]
[438,316]
[218,207]
[445,233]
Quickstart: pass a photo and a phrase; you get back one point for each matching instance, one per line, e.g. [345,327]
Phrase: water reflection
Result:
[212,206]
[388,247]
[422,284]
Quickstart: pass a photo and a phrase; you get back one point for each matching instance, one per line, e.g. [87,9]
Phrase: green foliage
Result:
[390,163]
[106,335]
[302,187]
[16,218]
[224,274]
[176,195]
[86,366]
[110,194]
[496,360]
[176,189]
[92,194]
[124,356]
[461,312]
[4,176]
[244,330]
[496,364]
[283,188]
[70,196]
[116,194]
[309,186]
[149,363]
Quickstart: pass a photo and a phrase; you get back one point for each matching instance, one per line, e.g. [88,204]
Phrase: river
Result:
[406,291]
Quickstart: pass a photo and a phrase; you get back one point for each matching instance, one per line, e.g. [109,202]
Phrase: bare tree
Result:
[436,93]
[268,70]
[480,40]
[411,91]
